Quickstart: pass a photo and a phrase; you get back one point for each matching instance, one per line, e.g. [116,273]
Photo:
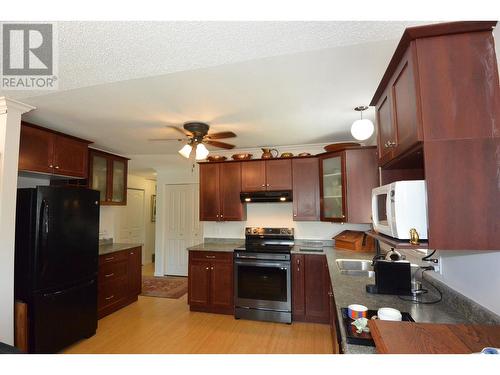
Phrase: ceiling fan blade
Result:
[220,144]
[221,135]
[180,130]
[165,139]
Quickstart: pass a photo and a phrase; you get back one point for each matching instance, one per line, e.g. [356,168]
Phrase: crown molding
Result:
[6,104]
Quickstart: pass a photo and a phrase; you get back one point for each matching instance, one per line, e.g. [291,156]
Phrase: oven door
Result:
[262,284]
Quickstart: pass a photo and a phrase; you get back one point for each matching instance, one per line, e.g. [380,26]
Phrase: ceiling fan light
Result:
[186,151]
[201,151]
[362,129]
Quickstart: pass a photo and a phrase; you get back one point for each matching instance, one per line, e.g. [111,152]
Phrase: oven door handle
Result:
[263,264]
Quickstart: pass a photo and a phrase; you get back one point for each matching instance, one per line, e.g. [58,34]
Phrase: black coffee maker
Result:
[392,275]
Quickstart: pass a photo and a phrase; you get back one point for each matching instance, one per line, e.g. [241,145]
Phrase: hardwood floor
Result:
[162,325]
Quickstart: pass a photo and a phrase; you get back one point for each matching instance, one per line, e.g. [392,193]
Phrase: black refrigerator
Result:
[56,255]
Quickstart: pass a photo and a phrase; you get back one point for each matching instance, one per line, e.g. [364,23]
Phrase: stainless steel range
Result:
[262,275]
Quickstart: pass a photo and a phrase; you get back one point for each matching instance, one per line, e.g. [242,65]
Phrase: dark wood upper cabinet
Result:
[220,187]
[441,84]
[279,174]
[36,150]
[253,176]
[440,95]
[210,192]
[108,175]
[398,111]
[231,208]
[45,151]
[266,175]
[346,183]
[70,157]
[306,202]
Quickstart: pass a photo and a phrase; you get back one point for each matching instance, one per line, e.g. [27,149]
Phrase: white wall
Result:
[276,215]
[109,216]
[475,274]
[24,181]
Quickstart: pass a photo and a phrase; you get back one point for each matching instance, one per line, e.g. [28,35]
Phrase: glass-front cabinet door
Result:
[119,181]
[332,188]
[108,175]
[99,177]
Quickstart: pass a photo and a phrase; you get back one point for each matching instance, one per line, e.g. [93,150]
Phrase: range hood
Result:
[266,196]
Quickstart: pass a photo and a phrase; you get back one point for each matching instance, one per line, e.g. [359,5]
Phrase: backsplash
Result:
[276,215]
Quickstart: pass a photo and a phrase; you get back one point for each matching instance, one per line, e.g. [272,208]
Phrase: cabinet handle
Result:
[212,268]
[51,166]
[132,253]
[207,268]
[210,256]
[109,258]
[263,185]
[109,274]
[268,185]
[56,167]
[110,297]
[330,294]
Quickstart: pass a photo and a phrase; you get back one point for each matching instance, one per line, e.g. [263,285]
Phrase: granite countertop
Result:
[223,244]
[349,289]
[113,247]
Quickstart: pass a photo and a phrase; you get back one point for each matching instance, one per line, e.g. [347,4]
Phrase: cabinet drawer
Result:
[118,256]
[211,255]
[111,270]
[114,291]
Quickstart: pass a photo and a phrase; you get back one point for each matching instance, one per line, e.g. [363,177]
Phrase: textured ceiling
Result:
[273,83]
[93,53]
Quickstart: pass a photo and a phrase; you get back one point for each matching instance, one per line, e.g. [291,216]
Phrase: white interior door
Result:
[131,221]
[182,226]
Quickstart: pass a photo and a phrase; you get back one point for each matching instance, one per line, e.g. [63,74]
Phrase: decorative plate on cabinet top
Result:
[339,146]
[302,154]
[286,155]
[216,158]
[242,156]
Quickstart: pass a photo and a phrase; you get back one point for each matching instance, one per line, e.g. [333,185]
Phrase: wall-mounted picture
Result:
[153,208]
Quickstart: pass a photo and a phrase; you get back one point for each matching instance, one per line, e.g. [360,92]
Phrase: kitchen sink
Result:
[355,267]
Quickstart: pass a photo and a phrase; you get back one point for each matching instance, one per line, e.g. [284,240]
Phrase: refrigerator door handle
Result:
[61,292]
[44,232]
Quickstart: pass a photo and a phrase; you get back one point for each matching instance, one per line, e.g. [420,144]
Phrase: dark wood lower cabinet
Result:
[119,280]
[310,288]
[210,285]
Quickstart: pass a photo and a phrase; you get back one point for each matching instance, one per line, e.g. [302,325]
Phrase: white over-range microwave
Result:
[399,207]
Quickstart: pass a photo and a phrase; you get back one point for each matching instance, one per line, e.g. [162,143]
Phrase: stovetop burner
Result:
[268,240]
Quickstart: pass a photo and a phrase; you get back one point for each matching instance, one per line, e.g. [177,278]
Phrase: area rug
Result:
[164,287]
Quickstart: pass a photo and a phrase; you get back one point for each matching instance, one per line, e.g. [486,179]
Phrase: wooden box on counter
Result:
[354,240]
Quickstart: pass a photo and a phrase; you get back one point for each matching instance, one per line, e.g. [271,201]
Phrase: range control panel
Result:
[260,231]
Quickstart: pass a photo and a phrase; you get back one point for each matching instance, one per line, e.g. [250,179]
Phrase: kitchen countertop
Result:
[223,245]
[113,247]
[349,289]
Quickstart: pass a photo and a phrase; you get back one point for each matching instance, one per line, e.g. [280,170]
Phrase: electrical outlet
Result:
[437,265]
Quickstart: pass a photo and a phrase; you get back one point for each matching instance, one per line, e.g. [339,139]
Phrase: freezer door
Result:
[62,317]
[67,236]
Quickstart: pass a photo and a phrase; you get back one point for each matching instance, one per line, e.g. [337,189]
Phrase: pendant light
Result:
[363,128]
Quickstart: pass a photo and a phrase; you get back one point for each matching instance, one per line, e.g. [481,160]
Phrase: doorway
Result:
[131,220]
[182,227]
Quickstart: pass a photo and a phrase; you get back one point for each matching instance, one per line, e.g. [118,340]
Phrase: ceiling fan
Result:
[196,134]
